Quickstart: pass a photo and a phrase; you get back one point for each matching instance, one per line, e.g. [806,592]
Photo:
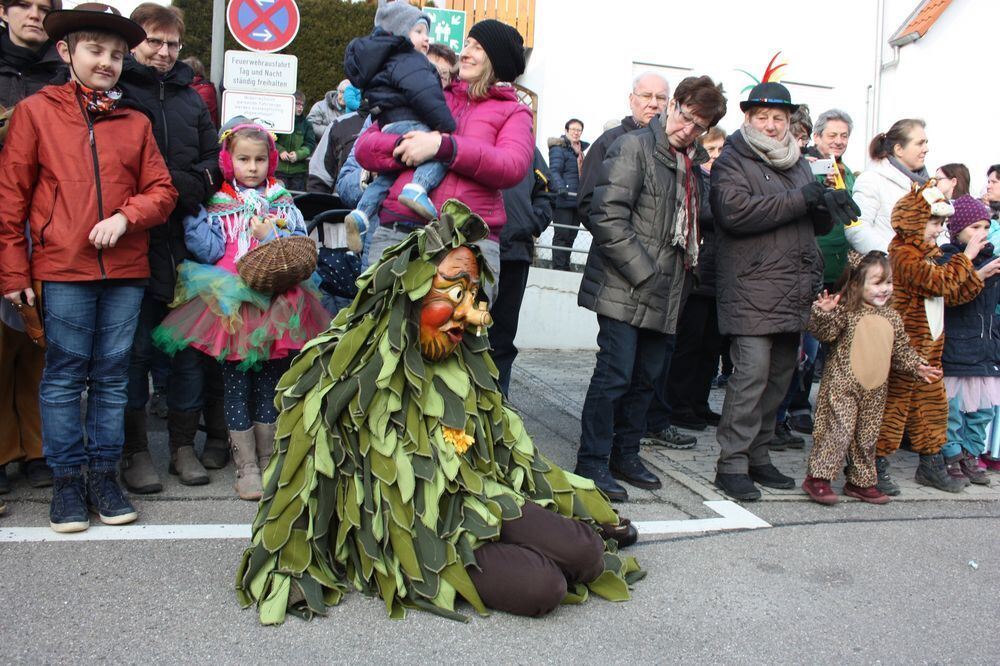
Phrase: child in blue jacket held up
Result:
[403,93]
[971,356]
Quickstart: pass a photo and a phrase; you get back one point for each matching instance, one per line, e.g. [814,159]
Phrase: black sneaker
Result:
[885,483]
[737,486]
[105,496]
[769,477]
[669,438]
[158,405]
[801,423]
[932,472]
[68,510]
[784,438]
[38,474]
[688,421]
[605,483]
[4,481]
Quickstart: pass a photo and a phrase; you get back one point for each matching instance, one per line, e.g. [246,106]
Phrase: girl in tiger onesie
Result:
[924,284]
[867,338]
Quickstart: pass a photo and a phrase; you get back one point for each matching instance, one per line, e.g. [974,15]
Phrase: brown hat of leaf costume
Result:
[914,210]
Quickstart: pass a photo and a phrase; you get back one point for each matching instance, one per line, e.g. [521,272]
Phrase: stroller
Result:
[337,267]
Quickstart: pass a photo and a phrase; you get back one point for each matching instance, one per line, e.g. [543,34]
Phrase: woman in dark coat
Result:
[565,162]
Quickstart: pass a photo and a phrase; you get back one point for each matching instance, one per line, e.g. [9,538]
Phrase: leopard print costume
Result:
[922,287]
[864,343]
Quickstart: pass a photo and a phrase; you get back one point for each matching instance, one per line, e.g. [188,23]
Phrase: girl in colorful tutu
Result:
[253,334]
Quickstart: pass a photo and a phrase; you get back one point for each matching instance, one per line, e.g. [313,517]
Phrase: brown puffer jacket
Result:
[633,273]
[768,266]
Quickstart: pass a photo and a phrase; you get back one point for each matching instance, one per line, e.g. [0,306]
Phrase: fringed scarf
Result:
[685,233]
[233,207]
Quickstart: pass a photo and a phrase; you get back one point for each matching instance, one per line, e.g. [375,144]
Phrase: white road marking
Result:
[733,517]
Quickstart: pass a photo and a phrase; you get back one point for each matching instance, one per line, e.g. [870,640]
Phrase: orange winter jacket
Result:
[64,173]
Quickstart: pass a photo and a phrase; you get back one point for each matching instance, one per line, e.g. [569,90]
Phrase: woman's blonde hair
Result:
[480,88]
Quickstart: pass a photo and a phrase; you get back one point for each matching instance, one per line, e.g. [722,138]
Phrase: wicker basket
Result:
[277,266]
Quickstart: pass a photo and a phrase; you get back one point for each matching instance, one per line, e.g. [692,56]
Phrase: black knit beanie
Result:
[504,46]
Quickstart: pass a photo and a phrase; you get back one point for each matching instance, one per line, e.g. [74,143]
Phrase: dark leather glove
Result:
[813,193]
[841,206]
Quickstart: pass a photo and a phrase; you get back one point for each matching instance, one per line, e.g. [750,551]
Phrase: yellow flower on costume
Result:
[457,438]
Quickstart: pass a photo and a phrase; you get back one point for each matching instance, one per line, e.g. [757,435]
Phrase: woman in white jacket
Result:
[898,161]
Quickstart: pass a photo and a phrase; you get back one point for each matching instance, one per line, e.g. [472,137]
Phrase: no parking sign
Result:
[264,26]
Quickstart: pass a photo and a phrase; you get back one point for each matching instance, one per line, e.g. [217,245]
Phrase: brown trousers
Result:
[527,570]
[21,364]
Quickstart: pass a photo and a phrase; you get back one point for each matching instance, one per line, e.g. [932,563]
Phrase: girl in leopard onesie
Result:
[866,337]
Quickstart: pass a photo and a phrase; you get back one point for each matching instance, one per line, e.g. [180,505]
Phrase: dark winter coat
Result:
[18,82]
[529,212]
[188,141]
[565,170]
[972,330]
[344,131]
[592,165]
[397,83]
[705,271]
[633,273]
[768,266]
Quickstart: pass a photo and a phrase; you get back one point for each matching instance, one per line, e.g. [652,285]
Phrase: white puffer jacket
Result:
[876,191]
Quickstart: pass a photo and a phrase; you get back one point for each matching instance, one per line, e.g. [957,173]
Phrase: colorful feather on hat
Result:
[770,73]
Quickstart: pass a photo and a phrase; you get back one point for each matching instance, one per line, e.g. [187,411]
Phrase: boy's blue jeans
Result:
[966,430]
[428,175]
[89,328]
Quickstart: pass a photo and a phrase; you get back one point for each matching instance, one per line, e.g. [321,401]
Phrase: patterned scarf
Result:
[234,206]
[685,233]
[781,155]
[100,102]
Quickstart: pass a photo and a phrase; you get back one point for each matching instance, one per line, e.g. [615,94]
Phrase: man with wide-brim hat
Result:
[93,16]
[768,209]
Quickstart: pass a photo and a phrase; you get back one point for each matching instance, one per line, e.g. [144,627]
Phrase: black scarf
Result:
[18,57]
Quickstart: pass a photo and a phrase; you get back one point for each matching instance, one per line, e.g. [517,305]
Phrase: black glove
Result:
[813,193]
[841,206]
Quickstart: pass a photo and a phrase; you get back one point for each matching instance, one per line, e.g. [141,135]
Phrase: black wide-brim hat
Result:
[772,95]
[95,16]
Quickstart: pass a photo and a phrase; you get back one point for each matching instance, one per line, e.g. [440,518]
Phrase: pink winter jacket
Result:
[494,148]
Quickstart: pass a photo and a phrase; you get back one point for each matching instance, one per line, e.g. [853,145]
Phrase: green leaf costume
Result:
[364,491]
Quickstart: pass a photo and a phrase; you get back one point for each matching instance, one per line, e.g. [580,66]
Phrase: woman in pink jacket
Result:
[491,149]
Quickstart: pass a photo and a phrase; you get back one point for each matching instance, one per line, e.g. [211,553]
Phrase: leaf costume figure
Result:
[400,472]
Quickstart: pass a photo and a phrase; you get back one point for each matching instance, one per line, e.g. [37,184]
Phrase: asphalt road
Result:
[851,583]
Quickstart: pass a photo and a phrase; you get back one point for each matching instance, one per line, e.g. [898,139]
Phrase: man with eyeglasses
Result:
[155,81]
[649,96]
[644,220]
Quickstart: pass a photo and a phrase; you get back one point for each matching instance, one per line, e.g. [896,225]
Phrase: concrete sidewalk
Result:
[563,377]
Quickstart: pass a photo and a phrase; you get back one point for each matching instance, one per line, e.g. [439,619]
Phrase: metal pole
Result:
[218,40]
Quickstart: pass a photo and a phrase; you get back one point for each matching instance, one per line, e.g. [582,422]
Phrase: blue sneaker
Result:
[106,497]
[356,226]
[68,511]
[415,198]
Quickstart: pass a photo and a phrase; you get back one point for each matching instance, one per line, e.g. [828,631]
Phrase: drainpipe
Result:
[877,86]
[218,42]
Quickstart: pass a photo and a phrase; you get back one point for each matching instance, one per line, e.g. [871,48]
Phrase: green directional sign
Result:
[447,27]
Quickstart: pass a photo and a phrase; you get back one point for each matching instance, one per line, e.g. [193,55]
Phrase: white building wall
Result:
[947,78]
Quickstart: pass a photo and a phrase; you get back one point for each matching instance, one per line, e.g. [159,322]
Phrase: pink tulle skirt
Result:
[974,393]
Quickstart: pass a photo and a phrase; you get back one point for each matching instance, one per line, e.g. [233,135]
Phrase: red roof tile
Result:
[921,20]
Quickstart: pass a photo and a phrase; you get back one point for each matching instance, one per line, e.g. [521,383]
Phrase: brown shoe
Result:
[871,494]
[263,434]
[245,458]
[969,465]
[182,428]
[819,491]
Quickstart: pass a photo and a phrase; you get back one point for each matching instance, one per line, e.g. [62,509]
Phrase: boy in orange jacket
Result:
[87,175]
